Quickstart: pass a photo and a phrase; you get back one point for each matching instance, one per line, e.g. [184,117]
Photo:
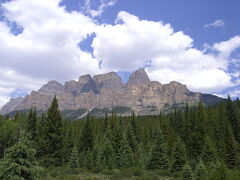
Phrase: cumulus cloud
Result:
[100,7]
[216,24]
[173,57]
[48,46]
[225,48]
[47,49]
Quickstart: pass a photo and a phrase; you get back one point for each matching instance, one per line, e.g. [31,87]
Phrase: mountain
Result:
[107,91]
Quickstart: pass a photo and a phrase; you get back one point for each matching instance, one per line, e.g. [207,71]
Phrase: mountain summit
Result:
[138,77]
[108,91]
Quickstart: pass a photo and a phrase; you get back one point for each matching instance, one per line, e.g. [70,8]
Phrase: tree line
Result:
[199,142]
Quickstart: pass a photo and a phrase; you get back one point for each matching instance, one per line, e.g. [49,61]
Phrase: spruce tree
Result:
[117,134]
[97,153]
[88,163]
[209,154]
[86,136]
[126,154]
[187,173]
[141,157]
[179,156]
[32,122]
[238,103]
[53,136]
[74,161]
[231,153]
[105,123]
[200,171]
[19,161]
[198,132]
[233,114]
[131,139]
[158,158]
[68,145]
[134,127]
[108,154]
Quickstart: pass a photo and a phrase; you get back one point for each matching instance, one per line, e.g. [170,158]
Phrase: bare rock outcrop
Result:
[108,90]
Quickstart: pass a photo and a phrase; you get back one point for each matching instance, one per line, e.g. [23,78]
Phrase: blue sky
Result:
[190,41]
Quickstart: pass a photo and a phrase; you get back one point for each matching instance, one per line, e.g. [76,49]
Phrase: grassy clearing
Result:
[115,174]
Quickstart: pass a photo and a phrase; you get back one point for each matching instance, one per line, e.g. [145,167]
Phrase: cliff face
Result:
[108,90]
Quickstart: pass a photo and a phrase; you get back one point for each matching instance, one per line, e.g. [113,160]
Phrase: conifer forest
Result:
[190,143]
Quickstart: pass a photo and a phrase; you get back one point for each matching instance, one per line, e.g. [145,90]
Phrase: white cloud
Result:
[217,23]
[48,49]
[133,41]
[103,4]
[227,47]
[48,46]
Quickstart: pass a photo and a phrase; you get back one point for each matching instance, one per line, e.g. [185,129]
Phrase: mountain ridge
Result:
[108,91]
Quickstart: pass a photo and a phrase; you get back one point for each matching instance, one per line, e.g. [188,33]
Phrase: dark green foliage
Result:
[204,136]
[209,154]
[32,123]
[125,153]
[19,161]
[108,154]
[179,156]
[86,136]
[231,153]
[233,114]
[200,171]
[187,173]
[74,162]
[158,158]
[68,144]
[198,131]
[131,139]
[53,139]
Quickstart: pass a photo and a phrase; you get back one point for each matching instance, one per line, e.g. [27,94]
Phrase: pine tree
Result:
[108,154]
[209,154]
[231,153]
[220,172]
[187,173]
[233,115]
[179,156]
[40,138]
[134,127]
[126,155]
[19,161]
[200,171]
[32,122]
[53,136]
[116,140]
[105,123]
[141,157]
[86,137]
[198,132]
[158,158]
[238,102]
[74,162]
[97,153]
[68,145]
[131,139]
[88,159]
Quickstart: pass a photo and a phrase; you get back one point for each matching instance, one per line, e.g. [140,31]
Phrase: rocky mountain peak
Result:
[177,85]
[108,91]
[84,79]
[138,77]
[87,84]
[52,87]
[108,80]
[11,105]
